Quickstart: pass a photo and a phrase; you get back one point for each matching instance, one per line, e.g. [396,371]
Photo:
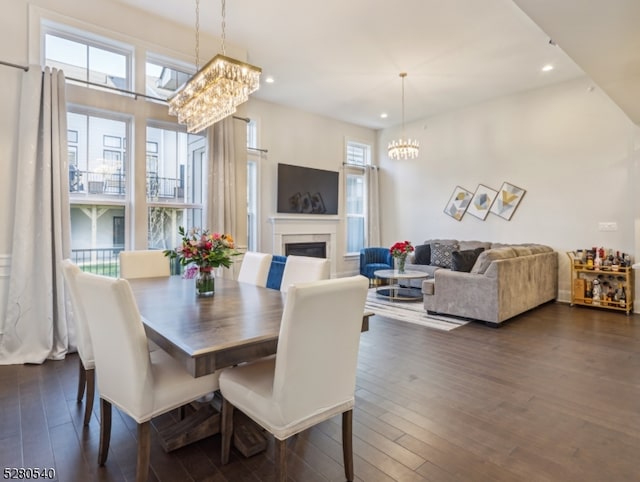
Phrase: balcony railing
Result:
[106,261]
[91,182]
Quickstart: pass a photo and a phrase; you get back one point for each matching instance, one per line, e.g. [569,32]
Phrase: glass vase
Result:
[205,282]
[401,262]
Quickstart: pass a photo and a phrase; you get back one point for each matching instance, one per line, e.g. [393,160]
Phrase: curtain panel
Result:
[34,327]
[221,205]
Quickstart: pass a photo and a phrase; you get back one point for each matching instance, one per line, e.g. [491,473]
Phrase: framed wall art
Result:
[481,202]
[458,203]
[507,200]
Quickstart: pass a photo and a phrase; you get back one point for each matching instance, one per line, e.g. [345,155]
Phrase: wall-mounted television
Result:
[305,190]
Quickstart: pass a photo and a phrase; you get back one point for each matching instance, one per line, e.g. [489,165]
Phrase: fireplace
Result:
[305,230]
[315,250]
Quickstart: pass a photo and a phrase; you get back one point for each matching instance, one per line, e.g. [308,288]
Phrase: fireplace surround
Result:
[305,229]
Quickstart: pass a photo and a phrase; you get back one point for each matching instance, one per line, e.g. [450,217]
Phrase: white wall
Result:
[568,146]
[295,137]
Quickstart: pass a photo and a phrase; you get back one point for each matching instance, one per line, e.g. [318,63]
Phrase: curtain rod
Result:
[116,89]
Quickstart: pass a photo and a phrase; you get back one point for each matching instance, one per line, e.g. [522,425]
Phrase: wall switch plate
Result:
[607,226]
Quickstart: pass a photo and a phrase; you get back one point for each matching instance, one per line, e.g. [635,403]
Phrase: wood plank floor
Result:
[553,395]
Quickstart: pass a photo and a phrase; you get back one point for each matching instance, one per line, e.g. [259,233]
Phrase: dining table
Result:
[239,323]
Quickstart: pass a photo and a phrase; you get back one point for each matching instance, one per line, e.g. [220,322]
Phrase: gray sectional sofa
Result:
[484,281]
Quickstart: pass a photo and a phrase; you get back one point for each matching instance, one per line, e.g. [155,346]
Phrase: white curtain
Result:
[221,206]
[34,327]
[373,205]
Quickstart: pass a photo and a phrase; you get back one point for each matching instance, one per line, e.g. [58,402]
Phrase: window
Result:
[162,78]
[358,157]
[135,175]
[252,186]
[88,58]
[176,174]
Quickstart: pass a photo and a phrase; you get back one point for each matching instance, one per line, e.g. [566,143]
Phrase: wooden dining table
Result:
[240,323]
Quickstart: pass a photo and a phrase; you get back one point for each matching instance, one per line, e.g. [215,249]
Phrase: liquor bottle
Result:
[597,260]
[622,299]
[588,293]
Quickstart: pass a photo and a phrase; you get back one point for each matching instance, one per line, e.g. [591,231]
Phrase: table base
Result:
[399,293]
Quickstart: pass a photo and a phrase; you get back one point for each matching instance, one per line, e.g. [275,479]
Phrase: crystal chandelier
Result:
[403,148]
[215,91]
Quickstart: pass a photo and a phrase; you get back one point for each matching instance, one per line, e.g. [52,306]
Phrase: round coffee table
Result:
[393,291]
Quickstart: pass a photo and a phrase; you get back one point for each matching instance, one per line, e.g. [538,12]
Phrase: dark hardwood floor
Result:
[553,395]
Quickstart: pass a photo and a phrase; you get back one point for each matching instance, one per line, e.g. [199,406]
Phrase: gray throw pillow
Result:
[422,254]
[464,260]
[441,254]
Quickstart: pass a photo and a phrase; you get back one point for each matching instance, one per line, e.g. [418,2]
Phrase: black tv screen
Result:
[306,190]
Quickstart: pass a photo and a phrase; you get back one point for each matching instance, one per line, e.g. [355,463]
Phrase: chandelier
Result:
[215,91]
[403,148]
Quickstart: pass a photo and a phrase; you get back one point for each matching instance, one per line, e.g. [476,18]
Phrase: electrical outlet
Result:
[607,226]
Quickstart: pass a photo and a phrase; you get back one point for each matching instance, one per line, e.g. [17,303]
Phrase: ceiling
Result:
[342,58]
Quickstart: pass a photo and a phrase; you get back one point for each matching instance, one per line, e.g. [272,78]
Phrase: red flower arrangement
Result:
[401,249]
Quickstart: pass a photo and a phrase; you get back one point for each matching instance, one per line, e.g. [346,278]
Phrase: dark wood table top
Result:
[241,322]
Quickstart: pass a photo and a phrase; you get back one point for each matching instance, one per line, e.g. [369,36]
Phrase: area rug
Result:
[410,312]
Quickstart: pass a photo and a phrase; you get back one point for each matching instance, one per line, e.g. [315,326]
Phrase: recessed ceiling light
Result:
[547,68]
[269,79]
[384,115]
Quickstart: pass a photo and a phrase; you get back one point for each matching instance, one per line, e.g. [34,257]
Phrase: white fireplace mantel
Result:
[305,229]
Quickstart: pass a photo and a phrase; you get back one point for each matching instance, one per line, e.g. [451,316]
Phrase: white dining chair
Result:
[255,268]
[143,263]
[302,269]
[313,374]
[86,361]
[140,383]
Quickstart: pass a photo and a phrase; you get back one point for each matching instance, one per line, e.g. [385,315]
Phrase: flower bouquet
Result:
[201,251]
[400,251]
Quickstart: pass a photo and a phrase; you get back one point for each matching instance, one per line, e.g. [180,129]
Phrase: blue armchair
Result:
[373,259]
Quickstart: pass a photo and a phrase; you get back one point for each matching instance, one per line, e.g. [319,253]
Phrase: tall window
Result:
[175,184]
[97,184]
[358,157]
[252,186]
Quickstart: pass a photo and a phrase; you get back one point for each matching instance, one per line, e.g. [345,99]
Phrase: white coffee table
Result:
[393,291]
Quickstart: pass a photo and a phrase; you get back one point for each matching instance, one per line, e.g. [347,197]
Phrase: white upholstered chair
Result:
[313,374]
[302,269]
[86,372]
[140,383]
[144,264]
[255,268]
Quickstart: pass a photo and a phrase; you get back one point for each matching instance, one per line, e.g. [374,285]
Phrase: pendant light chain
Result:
[197,35]
[224,13]
[403,75]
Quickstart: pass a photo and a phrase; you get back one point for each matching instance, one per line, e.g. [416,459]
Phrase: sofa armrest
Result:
[463,294]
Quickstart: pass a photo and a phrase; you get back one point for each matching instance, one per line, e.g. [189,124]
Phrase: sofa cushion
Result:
[441,254]
[467,245]
[464,260]
[488,256]
[422,254]
[522,250]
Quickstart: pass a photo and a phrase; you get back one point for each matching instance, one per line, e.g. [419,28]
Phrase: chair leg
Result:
[82,379]
[144,451]
[91,389]
[105,431]
[347,444]
[226,427]
[281,460]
